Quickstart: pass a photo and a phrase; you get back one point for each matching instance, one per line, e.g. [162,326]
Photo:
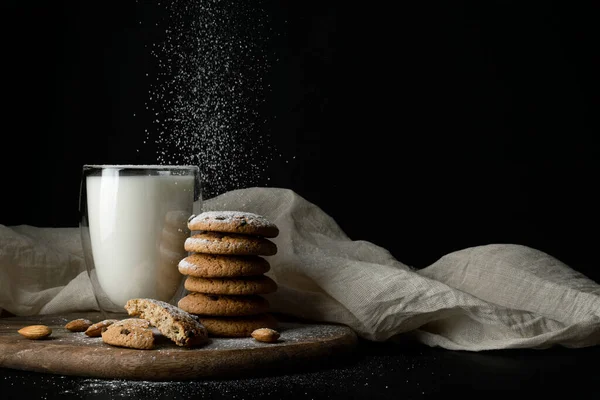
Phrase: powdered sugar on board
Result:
[290,333]
[74,353]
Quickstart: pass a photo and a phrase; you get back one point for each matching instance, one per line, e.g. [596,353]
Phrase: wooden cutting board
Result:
[74,353]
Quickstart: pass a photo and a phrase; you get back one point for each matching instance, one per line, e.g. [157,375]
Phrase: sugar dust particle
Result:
[210,87]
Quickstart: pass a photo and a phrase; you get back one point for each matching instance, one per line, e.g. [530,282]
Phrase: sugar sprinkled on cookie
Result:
[230,221]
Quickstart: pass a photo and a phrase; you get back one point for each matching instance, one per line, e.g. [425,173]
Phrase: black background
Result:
[423,127]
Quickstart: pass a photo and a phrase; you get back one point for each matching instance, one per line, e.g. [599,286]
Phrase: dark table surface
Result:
[374,370]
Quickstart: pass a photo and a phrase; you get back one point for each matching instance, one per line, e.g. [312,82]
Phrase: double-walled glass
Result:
[133,228]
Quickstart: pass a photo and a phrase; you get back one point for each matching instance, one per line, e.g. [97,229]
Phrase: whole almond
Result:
[95,330]
[267,335]
[78,325]
[35,332]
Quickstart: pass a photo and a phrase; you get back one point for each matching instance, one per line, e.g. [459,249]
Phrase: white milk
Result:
[138,225]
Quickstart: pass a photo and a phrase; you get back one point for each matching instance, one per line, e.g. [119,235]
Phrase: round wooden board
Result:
[74,353]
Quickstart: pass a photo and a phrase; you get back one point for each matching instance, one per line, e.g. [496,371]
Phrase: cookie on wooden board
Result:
[133,333]
[221,266]
[223,305]
[242,222]
[260,284]
[238,326]
[229,243]
[176,324]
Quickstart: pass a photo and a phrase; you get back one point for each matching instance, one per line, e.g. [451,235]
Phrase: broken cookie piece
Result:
[178,325]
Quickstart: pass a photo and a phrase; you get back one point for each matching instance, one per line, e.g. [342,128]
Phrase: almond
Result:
[265,335]
[78,325]
[96,329]
[35,332]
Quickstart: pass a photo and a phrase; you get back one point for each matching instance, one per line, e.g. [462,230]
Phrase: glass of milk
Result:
[133,222]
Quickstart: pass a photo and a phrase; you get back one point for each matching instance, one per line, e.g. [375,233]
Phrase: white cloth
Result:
[481,298]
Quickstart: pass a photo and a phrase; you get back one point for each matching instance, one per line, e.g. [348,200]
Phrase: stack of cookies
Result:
[225,272]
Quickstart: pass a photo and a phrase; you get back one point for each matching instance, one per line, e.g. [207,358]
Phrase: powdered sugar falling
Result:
[209,90]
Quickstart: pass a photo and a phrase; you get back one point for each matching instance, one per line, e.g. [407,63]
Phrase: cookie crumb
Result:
[266,335]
